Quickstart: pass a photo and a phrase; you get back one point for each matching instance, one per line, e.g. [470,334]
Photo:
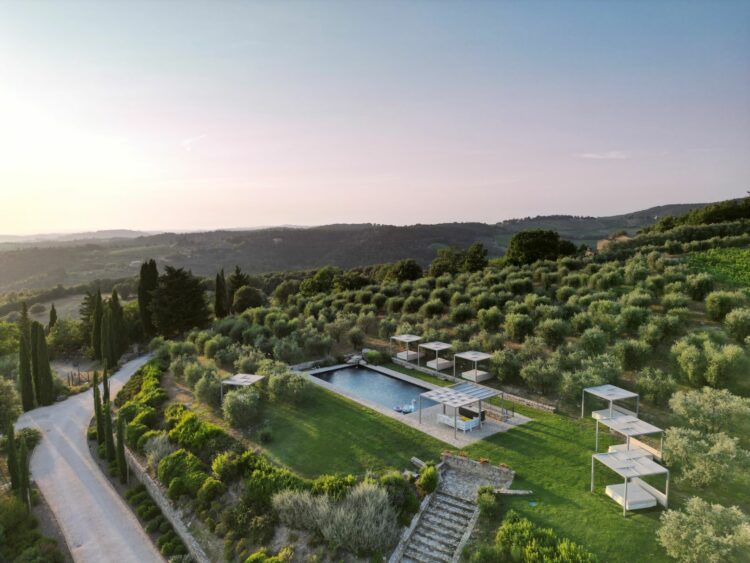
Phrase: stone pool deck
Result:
[429,424]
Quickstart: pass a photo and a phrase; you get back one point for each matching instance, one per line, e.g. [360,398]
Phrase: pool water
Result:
[376,387]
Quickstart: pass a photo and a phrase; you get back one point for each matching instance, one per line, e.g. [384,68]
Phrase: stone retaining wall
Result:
[158,493]
[482,470]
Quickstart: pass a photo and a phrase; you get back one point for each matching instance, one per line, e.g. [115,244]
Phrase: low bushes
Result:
[428,479]
[289,388]
[720,303]
[182,472]
[241,407]
[204,439]
[363,521]
[167,540]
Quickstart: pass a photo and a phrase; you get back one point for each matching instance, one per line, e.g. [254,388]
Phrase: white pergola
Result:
[475,357]
[630,427]
[240,380]
[405,339]
[457,396]
[438,364]
[612,394]
[634,493]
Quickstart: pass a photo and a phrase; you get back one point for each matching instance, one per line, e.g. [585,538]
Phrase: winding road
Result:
[97,524]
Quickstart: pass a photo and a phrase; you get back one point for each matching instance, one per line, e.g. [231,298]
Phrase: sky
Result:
[173,115]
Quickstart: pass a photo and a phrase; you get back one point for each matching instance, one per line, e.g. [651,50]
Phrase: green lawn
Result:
[335,435]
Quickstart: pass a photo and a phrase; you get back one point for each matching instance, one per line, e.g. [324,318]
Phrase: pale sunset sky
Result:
[180,115]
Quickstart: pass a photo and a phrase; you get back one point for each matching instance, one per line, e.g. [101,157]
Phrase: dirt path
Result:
[97,524]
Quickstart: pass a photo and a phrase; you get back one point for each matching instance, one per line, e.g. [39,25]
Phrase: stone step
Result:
[439,525]
[440,521]
[413,555]
[454,501]
[432,544]
[429,551]
[452,511]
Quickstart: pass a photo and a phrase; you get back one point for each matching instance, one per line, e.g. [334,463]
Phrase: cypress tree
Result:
[118,326]
[52,318]
[34,353]
[25,382]
[105,384]
[107,351]
[109,441]
[24,324]
[12,458]
[147,284]
[23,474]
[46,387]
[122,468]
[221,308]
[98,411]
[96,326]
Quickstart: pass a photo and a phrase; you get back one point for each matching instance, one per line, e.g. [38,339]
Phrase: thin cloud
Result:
[608,155]
[188,143]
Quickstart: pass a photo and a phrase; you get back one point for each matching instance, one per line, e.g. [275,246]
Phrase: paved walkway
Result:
[97,524]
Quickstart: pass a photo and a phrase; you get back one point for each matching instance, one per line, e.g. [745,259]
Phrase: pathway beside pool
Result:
[429,423]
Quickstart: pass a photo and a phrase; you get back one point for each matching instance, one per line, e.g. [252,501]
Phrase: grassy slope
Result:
[728,265]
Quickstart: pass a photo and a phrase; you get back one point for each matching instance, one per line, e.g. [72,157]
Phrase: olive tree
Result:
[710,410]
[704,533]
[700,459]
[737,323]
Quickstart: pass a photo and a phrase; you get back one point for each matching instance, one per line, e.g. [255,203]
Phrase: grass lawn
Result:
[332,434]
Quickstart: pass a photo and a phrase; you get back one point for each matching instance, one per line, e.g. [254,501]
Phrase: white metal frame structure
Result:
[475,374]
[404,339]
[612,394]
[438,364]
[634,493]
[457,396]
[239,380]
[630,427]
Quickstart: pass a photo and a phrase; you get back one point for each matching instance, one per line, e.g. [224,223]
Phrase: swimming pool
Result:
[377,387]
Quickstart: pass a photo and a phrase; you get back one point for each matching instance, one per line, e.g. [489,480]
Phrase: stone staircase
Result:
[441,527]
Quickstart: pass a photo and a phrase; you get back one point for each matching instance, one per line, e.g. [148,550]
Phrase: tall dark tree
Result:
[52,318]
[96,325]
[537,244]
[105,384]
[45,390]
[107,336]
[86,314]
[98,416]
[25,381]
[10,447]
[122,467]
[236,280]
[23,474]
[34,356]
[475,258]
[109,440]
[117,331]
[147,284]
[221,307]
[24,323]
[179,303]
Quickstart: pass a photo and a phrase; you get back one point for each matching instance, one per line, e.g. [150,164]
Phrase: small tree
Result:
[700,459]
[98,416]
[710,410]
[109,440]
[593,341]
[241,408]
[704,533]
[122,468]
[10,403]
[52,318]
[24,492]
[247,297]
[699,285]
[720,303]
[356,337]
[12,454]
[553,331]
[737,323]
[518,326]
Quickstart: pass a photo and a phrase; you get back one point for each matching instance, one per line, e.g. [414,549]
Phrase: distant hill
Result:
[67,237]
[118,254]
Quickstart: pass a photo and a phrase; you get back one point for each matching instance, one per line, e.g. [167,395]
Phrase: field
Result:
[728,265]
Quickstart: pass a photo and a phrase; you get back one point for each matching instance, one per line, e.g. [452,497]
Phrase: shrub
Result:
[335,486]
[490,319]
[374,357]
[632,354]
[720,303]
[183,472]
[241,407]
[737,323]
[401,494]
[202,438]
[428,479]
[462,313]
[518,326]
[704,533]
[699,285]
[289,388]
[540,376]
[487,501]
[208,390]
[710,410]
[210,490]
[593,341]
[700,459]
[553,331]
[157,448]
[300,509]
[655,386]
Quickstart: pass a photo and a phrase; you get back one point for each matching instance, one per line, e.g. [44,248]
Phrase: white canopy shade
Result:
[630,426]
[626,465]
[632,465]
[406,338]
[473,356]
[460,394]
[436,346]
[610,392]
[240,380]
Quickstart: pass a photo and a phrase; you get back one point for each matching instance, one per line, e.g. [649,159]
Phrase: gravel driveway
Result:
[97,524]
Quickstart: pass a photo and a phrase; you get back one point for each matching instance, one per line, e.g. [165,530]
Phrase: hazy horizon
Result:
[194,116]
